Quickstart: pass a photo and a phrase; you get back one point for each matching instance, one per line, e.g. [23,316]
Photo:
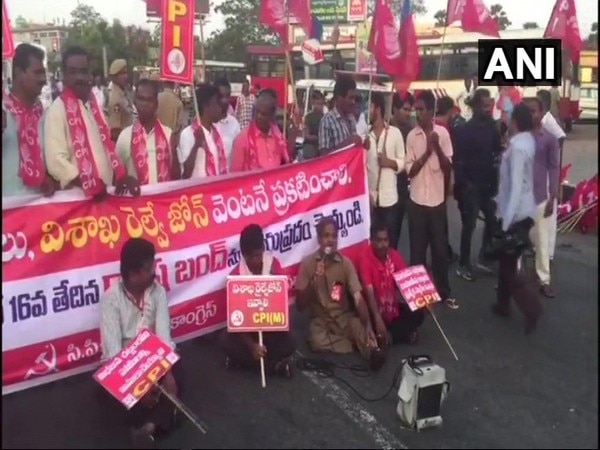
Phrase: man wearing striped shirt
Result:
[338,127]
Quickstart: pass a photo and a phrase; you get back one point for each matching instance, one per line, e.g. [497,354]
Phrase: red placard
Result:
[130,375]
[177,51]
[357,10]
[257,303]
[416,287]
[8,43]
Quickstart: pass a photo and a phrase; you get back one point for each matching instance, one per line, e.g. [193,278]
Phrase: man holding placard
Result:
[244,349]
[134,303]
[393,319]
[326,281]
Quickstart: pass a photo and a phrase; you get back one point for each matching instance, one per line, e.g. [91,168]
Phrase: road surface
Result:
[508,390]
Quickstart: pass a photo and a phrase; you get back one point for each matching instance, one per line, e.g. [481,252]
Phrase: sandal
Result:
[451,303]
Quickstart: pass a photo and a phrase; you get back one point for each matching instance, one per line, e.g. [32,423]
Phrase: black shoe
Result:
[465,273]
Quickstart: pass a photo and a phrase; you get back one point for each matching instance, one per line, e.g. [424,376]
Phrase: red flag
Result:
[410,61]
[563,25]
[8,43]
[300,9]
[383,40]
[473,15]
[272,14]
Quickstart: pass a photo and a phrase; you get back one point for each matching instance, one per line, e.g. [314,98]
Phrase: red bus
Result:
[266,67]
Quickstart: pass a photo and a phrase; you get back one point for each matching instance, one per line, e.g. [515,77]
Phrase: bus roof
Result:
[265,50]
[472,38]
[328,85]
[213,63]
[376,78]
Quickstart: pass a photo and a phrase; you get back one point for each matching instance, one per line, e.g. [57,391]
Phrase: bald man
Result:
[261,145]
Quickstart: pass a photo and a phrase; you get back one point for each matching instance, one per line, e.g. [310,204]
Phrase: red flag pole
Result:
[439,71]
[285,74]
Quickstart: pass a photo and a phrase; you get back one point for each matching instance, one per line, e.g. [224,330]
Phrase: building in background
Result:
[50,36]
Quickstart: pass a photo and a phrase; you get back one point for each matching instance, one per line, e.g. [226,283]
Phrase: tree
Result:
[591,43]
[498,13]
[242,28]
[530,25]
[418,7]
[440,18]
[84,15]
[92,32]
[21,22]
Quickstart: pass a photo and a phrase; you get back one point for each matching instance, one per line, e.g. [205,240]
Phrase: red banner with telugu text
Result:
[60,254]
[177,47]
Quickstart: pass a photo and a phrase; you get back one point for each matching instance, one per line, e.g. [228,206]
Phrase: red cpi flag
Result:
[473,15]
[563,25]
[410,61]
[8,44]
[300,9]
[383,40]
[272,14]
[177,50]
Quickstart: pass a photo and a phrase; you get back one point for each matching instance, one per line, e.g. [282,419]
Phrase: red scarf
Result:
[32,169]
[389,306]
[251,157]
[91,182]
[211,169]
[139,149]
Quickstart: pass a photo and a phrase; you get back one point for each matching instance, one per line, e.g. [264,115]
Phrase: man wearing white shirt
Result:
[228,126]
[201,149]
[550,124]
[100,91]
[385,159]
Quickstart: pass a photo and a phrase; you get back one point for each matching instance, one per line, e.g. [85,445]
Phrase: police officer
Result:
[170,109]
[120,111]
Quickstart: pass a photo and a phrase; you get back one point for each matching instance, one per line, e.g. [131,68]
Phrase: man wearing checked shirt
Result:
[338,127]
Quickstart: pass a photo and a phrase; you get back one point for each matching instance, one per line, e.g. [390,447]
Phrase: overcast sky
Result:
[134,11]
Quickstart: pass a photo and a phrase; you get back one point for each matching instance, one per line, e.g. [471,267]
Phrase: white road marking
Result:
[355,412]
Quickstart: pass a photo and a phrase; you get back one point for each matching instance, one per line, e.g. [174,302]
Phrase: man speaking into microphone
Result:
[329,288]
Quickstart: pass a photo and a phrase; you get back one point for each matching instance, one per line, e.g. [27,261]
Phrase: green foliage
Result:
[498,13]
[242,28]
[440,18]
[530,25]
[92,32]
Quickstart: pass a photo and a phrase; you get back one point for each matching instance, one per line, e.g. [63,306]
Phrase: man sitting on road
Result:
[138,301]
[242,349]
[393,319]
[328,286]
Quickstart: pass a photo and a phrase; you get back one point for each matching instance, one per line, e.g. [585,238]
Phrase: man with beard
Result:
[429,163]
[136,302]
[393,319]
[478,147]
[78,146]
[228,126]
[145,147]
[328,286]
[201,149]
[243,349]
[23,166]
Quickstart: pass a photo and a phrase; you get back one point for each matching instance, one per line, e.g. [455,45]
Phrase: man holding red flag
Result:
[473,15]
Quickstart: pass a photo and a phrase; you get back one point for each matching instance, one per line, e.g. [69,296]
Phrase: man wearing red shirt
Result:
[242,349]
[393,319]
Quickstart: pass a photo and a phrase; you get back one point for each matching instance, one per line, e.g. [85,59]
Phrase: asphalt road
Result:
[508,390]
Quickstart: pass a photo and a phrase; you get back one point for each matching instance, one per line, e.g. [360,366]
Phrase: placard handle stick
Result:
[184,409]
[442,331]
[262,362]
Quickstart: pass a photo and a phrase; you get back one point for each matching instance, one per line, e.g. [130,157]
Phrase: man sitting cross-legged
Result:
[393,319]
[329,288]
[243,349]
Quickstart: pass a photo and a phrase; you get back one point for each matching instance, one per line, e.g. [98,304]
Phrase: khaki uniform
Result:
[120,108]
[334,325]
[170,110]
